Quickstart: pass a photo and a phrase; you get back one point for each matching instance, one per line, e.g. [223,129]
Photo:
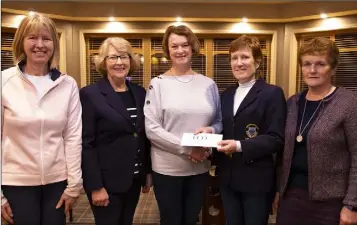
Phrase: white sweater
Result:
[173,106]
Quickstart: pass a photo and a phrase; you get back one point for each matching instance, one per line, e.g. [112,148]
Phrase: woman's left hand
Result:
[148,184]
[348,217]
[68,202]
[208,130]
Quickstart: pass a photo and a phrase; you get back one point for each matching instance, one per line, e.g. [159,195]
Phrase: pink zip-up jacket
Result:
[41,136]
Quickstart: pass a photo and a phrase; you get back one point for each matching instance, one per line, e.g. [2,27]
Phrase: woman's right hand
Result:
[6,213]
[100,197]
[198,154]
[276,203]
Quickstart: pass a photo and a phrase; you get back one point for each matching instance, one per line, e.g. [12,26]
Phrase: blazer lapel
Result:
[230,102]
[114,100]
[290,129]
[251,96]
[227,112]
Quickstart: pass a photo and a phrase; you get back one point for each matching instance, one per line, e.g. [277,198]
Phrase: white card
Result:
[201,140]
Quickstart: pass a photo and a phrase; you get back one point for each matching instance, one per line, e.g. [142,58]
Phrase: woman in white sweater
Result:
[179,101]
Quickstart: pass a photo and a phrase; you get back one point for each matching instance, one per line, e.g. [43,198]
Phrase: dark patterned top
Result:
[130,105]
[299,166]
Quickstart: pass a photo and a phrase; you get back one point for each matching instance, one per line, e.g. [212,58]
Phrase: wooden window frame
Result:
[146,36]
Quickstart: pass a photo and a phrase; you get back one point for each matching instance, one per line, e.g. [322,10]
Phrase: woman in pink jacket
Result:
[41,130]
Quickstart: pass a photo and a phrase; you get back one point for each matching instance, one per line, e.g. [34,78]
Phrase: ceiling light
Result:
[111,18]
[178,19]
[244,20]
[323,15]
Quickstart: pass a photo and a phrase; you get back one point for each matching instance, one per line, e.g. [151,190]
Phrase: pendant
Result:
[299,138]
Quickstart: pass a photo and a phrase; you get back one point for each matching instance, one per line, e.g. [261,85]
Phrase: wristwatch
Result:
[352,208]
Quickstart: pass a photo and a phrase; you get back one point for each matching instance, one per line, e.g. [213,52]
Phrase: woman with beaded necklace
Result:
[180,101]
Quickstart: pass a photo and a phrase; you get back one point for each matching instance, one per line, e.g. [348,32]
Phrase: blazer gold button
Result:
[135,134]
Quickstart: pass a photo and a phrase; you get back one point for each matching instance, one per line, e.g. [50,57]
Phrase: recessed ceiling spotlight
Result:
[323,15]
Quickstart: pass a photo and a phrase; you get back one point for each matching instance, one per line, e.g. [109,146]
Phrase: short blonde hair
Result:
[121,45]
[321,46]
[250,42]
[181,30]
[33,23]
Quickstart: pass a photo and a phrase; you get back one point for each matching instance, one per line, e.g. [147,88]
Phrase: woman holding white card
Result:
[177,102]
[254,115]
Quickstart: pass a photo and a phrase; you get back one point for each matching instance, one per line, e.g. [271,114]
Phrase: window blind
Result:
[7,38]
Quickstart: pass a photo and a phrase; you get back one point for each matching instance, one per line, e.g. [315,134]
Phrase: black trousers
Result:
[245,208]
[180,199]
[36,204]
[296,208]
[121,208]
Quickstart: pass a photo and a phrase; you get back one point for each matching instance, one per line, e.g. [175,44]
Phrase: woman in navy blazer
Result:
[254,115]
[116,157]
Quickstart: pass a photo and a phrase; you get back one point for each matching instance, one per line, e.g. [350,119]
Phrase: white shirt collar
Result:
[248,84]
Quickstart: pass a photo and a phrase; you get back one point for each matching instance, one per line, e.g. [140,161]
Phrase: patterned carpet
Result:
[147,212]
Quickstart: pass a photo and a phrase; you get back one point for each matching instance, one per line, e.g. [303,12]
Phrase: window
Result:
[346,74]
[92,49]
[7,38]
[212,60]
[159,63]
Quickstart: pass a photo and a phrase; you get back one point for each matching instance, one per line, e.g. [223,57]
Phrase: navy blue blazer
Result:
[259,125]
[110,140]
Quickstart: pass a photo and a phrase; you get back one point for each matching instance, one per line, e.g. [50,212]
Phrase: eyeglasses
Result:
[114,58]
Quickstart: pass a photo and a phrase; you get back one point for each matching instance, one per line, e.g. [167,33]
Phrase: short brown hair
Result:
[249,42]
[181,30]
[321,46]
[121,45]
[34,23]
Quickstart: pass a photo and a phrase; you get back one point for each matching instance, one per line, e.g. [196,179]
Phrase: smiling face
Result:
[117,63]
[39,47]
[243,65]
[316,70]
[180,50]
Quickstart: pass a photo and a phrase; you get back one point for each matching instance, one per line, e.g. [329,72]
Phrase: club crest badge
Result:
[252,130]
